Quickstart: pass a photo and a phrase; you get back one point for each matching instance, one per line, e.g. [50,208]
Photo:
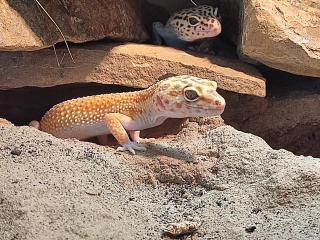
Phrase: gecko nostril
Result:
[217,102]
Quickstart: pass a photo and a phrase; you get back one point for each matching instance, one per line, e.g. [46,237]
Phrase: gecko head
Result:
[196,23]
[188,96]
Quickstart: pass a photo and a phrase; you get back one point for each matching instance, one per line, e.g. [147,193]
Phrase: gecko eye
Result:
[191,95]
[193,21]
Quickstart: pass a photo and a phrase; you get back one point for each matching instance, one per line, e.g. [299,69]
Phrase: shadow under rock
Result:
[156,150]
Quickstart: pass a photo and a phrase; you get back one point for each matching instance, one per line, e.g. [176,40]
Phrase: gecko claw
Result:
[131,147]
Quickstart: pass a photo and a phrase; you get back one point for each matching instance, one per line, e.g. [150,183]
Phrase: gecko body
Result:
[4,121]
[119,113]
[187,26]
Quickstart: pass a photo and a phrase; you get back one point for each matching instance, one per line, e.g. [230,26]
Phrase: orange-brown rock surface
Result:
[133,65]
[283,34]
[25,26]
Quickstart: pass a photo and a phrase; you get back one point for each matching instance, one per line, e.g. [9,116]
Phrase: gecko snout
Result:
[215,27]
[219,104]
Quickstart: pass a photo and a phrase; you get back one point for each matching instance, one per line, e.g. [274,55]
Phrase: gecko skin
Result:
[119,113]
[5,122]
[188,25]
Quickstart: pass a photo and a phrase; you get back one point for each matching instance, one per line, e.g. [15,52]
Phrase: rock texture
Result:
[25,26]
[283,34]
[133,65]
[231,182]
[290,122]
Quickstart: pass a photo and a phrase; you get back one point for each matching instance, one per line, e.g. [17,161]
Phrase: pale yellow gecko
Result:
[119,113]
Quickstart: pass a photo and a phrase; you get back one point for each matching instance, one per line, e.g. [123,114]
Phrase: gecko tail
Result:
[35,124]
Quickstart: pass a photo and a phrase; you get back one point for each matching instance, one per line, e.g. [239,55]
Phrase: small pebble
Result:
[181,228]
[256,210]
[250,229]
[16,152]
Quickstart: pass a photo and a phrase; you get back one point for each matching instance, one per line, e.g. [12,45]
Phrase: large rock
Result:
[282,34]
[290,121]
[231,182]
[132,65]
[25,26]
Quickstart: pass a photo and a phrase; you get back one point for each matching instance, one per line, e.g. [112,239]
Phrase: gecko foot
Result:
[131,147]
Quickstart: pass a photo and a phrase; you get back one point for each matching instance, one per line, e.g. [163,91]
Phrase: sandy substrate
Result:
[231,182]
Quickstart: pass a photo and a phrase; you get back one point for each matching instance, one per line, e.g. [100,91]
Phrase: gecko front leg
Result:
[168,35]
[116,123]
[135,136]
[157,29]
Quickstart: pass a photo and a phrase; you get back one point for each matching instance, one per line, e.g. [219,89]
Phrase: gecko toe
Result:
[140,147]
[131,147]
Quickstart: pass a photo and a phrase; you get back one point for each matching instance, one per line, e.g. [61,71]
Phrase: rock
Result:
[71,189]
[282,34]
[289,121]
[24,26]
[133,65]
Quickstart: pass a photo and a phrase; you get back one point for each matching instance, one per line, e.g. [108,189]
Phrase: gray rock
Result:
[232,182]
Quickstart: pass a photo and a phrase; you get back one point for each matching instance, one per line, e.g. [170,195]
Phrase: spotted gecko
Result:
[118,113]
[5,122]
[187,26]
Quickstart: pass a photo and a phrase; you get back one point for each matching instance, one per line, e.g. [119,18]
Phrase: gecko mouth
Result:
[219,109]
[206,31]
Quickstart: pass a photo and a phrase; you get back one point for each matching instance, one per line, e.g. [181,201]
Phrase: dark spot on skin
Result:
[181,24]
[217,102]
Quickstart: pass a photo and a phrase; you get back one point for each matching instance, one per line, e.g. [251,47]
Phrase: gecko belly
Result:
[81,131]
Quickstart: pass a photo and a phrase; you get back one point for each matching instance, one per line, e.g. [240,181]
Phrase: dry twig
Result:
[193,2]
[64,39]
